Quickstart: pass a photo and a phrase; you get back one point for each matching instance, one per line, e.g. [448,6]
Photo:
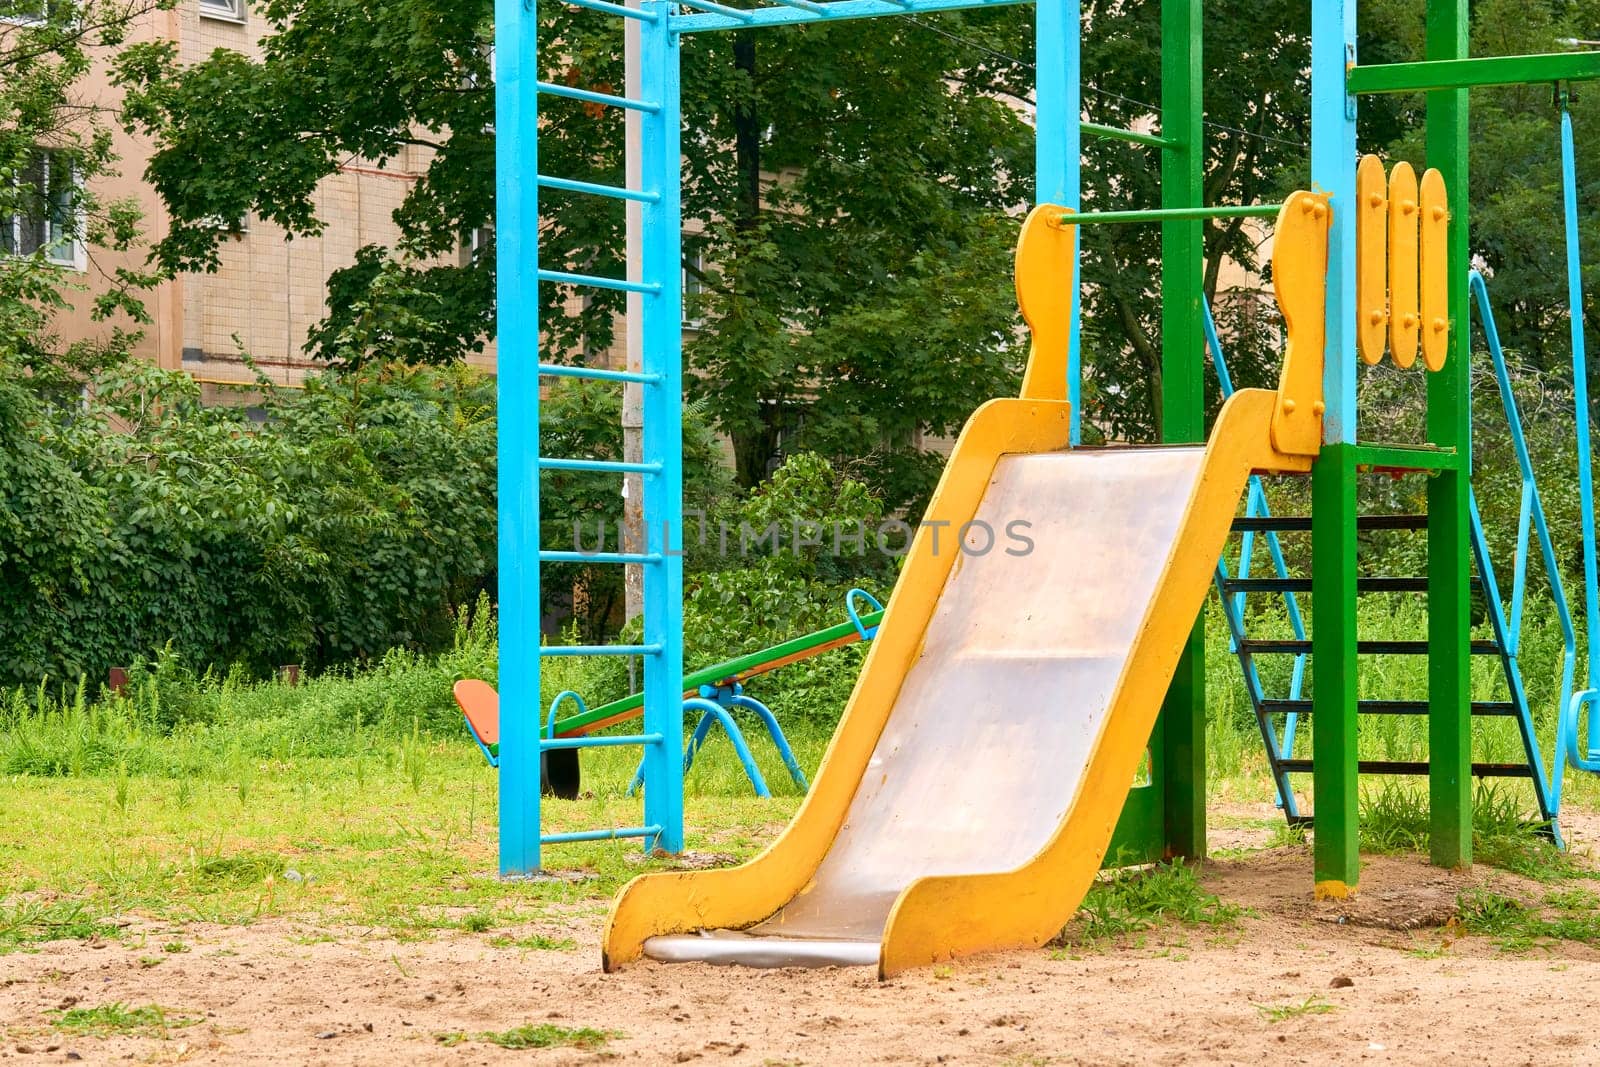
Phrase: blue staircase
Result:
[1278,713]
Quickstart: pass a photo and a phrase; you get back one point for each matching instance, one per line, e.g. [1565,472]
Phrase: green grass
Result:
[106,1020]
[359,803]
[1134,899]
[542,1035]
[1394,819]
[1312,1005]
[1570,915]
[25,923]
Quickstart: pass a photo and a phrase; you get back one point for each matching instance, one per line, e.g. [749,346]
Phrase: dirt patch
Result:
[1290,984]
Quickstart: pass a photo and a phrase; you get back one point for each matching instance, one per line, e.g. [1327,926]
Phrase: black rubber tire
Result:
[558,770]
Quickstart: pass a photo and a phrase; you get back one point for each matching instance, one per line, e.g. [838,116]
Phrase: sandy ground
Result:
[272,993]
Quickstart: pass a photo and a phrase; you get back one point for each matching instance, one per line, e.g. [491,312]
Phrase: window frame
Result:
[70,252]
[234,12]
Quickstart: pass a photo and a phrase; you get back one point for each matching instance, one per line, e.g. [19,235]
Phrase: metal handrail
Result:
[1531,515]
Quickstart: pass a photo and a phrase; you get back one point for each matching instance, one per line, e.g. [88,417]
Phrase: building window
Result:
[227,10]
[43,212]
[24,12]
[694,285]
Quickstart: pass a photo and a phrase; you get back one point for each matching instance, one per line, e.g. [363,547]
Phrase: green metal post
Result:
[1183,719]
[1450,424]
[1334,676]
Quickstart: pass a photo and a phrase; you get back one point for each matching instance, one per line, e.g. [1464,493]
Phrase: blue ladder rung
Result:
[807,5]
[615,192]
[607,466]
[598,282]
[599,557]
[588,97]
[719,9]
[600,835]
[561,370]
[615,9]
[606,741]
[600,650]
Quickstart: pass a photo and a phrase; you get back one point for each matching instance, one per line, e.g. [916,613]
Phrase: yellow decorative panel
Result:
[1403,315]
[1434,269]
[1372,259]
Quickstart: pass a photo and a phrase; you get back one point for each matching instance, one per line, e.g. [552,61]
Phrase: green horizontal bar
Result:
[740,666]
[1225,211]
[1470,73]
[1408,457]
[1094,129]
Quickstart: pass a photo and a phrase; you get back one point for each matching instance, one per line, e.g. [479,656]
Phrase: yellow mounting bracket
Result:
[1300,281]
[1046,274]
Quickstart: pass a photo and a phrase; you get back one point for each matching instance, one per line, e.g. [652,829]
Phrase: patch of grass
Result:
[1517,927]
[1312,1005]
[540,1035]
[103,1020]
[236,871]
[1394,818]
[29,922]
[537,942]
[479,922]
[1288,835]
[1133,899]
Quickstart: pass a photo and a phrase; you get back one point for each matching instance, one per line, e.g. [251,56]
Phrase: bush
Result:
[321,527]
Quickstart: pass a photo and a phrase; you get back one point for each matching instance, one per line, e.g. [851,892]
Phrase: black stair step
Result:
[1371,584]
[1381,766]
[1390,707]
[1300,523]
[1366,648]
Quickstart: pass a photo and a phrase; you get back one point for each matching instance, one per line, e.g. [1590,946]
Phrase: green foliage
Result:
[1130,899]
[25,923]
[1311,1005]
[542,1035]
[1518,927]
[106,1020]
[351,519]
[583,511]
[741,596]
[174,724]
[1256,57]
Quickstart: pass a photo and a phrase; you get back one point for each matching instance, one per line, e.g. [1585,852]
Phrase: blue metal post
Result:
[1058,107]
[517,221]
[1333,170]
[662,435]
[1580,398]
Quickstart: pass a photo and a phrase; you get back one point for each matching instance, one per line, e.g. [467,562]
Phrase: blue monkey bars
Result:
[656,285]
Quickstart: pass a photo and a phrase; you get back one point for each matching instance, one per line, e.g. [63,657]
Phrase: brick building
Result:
[269,290]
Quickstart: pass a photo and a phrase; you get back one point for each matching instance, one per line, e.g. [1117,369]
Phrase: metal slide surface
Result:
[998,718]
[971,789]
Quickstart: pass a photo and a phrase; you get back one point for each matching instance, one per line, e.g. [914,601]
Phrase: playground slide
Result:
[971,790]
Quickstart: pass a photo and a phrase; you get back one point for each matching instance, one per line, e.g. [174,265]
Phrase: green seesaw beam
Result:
[734,670]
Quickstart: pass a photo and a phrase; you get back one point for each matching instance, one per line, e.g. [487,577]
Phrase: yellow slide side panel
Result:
[741,896]
[1403,315]
[1045,276]
[1299,278]
[944,917]
[1435,269]
[1372,259]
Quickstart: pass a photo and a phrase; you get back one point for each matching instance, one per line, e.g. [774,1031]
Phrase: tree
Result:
[820,283]
[54,142]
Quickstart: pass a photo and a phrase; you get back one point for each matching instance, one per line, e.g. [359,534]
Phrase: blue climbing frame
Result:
[659,287]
